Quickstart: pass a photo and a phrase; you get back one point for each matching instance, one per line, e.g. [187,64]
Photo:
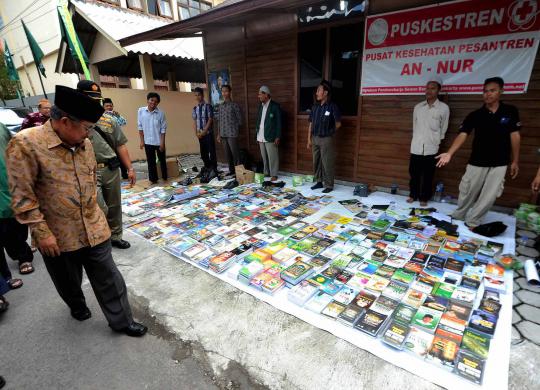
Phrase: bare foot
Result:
[423,204]
[410,200]
[273,178]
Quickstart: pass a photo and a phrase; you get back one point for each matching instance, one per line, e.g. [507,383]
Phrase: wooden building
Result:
[286,45]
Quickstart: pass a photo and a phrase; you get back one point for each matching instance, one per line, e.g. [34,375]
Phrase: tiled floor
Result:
[526,313]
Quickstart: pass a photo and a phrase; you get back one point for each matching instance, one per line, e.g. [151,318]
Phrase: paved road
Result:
[42,347]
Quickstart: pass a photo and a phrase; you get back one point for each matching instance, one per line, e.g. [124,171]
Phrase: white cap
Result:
[265,89]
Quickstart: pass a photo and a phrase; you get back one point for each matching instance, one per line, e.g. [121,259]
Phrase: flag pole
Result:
[41,81]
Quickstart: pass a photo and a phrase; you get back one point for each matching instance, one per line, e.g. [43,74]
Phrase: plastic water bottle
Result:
[438,192]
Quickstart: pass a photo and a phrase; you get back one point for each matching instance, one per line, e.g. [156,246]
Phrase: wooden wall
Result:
[372,147]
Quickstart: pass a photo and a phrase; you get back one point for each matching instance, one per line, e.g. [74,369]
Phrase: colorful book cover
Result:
[371,322]
[418,342]
[476,343]
[427,319]
[396,333]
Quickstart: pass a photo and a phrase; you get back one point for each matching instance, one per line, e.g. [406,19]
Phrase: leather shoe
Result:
[81,314]
[327,190]
[121,244]
[133,330]
[317,186]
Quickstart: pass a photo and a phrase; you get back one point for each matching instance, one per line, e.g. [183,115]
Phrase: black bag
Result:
[491,229]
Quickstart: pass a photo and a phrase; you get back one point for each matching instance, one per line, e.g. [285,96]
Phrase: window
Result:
[341,65]
[311,53]
[345,47]
[189,8]
[117,2]
[165,8]
[135,4]
[152,7]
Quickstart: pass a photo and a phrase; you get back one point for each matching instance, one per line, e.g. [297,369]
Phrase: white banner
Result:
[459,43]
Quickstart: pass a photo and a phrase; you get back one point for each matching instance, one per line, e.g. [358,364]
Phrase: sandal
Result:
[3,304]
[15,283]
[26,268]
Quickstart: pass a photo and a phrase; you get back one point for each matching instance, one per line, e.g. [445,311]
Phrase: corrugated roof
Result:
[117,23]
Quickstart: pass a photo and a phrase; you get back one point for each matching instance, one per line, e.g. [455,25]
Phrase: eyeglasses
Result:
[86,127]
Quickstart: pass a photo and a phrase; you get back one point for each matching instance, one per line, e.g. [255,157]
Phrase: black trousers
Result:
[208,151]
[421,170]
[13,237]
[105,279]
[151,151]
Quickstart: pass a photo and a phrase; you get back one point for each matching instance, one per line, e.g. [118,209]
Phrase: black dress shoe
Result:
[121,244]
[2,382]
[133,330]
[317,186]
[81,314]
[327,190]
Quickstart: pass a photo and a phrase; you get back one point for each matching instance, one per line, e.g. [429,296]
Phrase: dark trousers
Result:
[208,151]
[13,237]
[105,279]
[421,170]
[151,151]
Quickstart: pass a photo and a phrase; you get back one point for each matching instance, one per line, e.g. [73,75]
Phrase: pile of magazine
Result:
[386,271]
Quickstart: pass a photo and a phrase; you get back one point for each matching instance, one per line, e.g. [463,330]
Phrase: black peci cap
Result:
[77,104]
[88,87]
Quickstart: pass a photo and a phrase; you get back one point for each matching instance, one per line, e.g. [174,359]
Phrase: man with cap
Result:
[324,121]
[495,145]
[52,178]
[109,144]
[430,122]
[268,131]
[38,118]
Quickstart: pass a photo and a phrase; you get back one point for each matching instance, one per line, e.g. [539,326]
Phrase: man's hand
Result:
[535,185]
[444,158]
[218,139]
[514,170]
[141,145]
[49,247]
[276,142]
[132,177]
[162,148]
[309,143]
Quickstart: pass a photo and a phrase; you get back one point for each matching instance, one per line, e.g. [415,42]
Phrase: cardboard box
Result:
[243,175]
[172,168]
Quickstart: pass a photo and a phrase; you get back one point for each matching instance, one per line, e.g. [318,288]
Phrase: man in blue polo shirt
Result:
[324,120]
[495,145]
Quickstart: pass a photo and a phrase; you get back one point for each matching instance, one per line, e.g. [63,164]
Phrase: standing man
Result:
[430,122]
[13,235]
[203,121]
[269,132]
[52,178]
[109,143]
[324,120]
[38,118]
[495,145]
[152,126]
[109,108]
[229,122]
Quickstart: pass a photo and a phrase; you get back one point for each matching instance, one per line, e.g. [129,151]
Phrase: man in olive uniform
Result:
[109,144]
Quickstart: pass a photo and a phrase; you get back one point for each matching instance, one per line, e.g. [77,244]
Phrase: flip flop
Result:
[4,304]
[26,268]
[15,283]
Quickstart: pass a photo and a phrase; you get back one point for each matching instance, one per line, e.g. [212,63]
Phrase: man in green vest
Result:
[269,132]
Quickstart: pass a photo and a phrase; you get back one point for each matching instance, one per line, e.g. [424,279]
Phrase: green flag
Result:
[36,50]
[69,35]
[12,72]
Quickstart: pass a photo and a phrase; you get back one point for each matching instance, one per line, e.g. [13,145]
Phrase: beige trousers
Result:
[478,190]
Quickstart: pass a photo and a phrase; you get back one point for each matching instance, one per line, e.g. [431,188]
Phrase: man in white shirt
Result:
[268,130]
[430,122]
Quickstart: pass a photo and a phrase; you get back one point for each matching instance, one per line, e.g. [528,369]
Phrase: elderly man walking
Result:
[52,178]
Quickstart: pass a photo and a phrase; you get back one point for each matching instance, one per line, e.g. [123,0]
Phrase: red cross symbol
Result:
[523,11]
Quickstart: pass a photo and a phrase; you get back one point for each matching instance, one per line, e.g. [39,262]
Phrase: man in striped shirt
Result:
[203,121]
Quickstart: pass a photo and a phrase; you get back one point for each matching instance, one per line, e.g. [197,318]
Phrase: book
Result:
[345,295]
[483,322]
[395,334]
[301,293]
[418,342]
[456,316]
[385,271]
[371,322]
[476,343]
[414,298]
[470,367]
[443,351]
[296,272]
[464,295]
[333,309]
[350,315]
[436,302]
[377,283]
[359,280]
[364,299]
[444,290]
[318,302]
[403,276]
[395,290]
[404,313]
[490,306]
[384,305]
[426,319]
